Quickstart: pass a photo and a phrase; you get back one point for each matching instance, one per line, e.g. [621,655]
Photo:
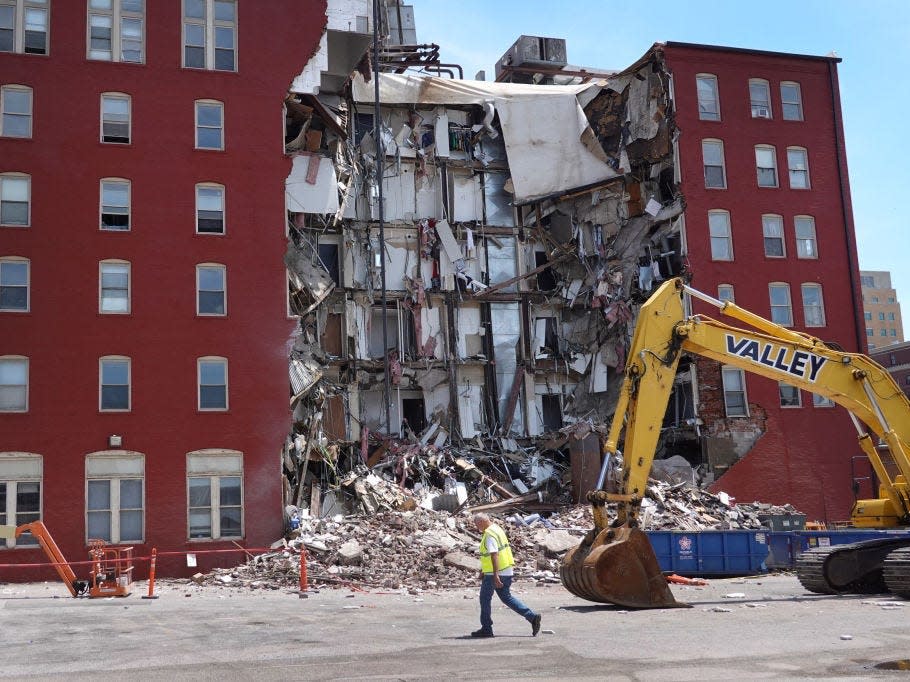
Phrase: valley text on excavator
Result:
[615,562]
[111,573]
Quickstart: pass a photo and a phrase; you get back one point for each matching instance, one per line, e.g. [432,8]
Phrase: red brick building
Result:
[896,359]
[769,224]
[143,396]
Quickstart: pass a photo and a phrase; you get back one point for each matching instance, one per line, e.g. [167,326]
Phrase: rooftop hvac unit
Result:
[534,51]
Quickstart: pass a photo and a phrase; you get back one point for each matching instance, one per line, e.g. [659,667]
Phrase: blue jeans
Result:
[486,600]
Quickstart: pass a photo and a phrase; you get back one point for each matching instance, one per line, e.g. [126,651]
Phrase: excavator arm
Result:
[615,562]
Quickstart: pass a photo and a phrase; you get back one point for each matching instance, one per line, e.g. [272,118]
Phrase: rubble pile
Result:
[396,540]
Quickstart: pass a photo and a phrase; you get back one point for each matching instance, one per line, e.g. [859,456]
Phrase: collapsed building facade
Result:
[519,226]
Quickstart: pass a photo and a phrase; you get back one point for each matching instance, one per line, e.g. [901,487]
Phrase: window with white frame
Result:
[114,380]
[721,236]
[114,496]
[20,494]
[790,396]
[116,30]
[15,111]
[798,166]
[735,404]
[211,289]
[23,26]
[713,155]
[115,118]
[725,293]
[209,125]
[115,204]
[210,34]
[760,98]
[806,245]
[209,209]
[14,284]
[13,384]
[781,308]
[821,401]
[708,98]
[114,286]
[15,199]
[212,375]
[214,494]
[773,232]
[791,101]
[766,166]
[813,305]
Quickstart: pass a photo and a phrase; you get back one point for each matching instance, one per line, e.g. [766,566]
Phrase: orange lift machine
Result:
[112,567]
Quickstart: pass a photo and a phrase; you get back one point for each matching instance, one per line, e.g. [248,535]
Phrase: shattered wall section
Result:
[522,227]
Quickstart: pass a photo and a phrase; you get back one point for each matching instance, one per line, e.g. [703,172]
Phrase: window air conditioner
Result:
[761,112]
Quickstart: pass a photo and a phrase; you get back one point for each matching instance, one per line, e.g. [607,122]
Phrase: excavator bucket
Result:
[618,567]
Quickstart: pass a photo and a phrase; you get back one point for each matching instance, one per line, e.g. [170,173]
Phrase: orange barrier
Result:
[151,594]
[304,585]
[681,580]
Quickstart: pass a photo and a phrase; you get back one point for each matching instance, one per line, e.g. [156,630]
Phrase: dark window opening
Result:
[328,254]
[363,124]
[413,415]
[116,132]
[115,221]
[552,412]
[211,222]
[546,279]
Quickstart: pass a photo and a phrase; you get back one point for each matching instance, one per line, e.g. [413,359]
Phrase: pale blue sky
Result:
[871,36]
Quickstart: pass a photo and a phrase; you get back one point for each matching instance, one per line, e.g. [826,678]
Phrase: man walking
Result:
[496,573]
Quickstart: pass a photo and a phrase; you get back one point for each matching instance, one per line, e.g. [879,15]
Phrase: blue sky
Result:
[871,36]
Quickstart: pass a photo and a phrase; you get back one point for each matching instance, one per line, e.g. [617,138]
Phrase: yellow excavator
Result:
[615,562]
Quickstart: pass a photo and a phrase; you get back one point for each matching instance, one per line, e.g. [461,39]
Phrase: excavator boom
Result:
[615,562]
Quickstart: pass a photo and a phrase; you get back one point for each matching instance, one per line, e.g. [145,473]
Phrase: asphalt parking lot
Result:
[763,627]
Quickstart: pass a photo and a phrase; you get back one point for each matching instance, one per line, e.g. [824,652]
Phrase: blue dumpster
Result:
[710,552]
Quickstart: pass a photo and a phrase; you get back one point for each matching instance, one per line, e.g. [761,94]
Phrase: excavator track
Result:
[856,568]
[897,572]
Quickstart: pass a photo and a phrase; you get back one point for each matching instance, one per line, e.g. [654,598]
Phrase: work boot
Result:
[482,633]
[535,625]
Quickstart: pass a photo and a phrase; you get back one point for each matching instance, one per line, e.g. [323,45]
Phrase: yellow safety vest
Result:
[505,552]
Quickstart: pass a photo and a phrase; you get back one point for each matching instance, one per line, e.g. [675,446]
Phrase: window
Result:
[891,317]
[760,98]
[14,284]
[868,316]
[884,332]
[875,299]
[115,204]
[867,280]
[210,290]
[791,101]
[115,384]
[766,166]
[773,230]
[209,209]
[721,238]
[15,193]
[115,118]
[789,395]
[798,165]
[713,155]
[215,494]
[114,283]
[806,246]
[210,34]
[892,332]
[708,100]
[213,391]
[23,26]
[20,494]
[821,401]
[813,305]
[725,293]
[881,316]
[13,385]
[15,111]
[209,125]
[781,310]
[890,299]
[870,332]
[116,30]
[734,392]
[114,497]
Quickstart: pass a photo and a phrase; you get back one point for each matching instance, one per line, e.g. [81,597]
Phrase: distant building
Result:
[896,359]
[881,309]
